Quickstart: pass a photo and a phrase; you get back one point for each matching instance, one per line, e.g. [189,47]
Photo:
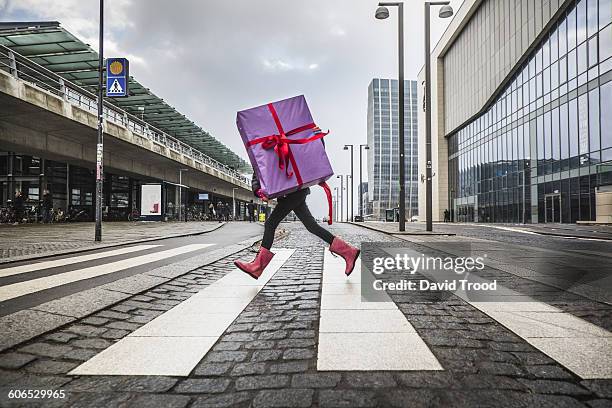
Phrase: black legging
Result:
[296,202]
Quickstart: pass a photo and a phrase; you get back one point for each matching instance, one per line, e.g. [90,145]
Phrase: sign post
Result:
[100,145]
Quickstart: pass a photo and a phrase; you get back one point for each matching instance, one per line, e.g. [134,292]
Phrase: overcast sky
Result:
[210,59]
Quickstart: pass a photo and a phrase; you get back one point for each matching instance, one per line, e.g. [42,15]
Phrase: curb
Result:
[110,245]
[424,233]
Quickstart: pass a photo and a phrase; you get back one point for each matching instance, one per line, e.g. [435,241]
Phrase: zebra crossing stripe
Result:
[31,267]
[35,285]
[175,342]
[364,336]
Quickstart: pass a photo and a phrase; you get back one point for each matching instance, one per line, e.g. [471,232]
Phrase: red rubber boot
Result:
[256,267]
[346,251]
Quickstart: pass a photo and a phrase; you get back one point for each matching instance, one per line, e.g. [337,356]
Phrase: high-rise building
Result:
[383,140]
[521,123]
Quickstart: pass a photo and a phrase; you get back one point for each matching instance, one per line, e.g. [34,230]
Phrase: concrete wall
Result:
[37,122]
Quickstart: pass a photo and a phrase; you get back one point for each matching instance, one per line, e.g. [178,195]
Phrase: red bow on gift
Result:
[280,142]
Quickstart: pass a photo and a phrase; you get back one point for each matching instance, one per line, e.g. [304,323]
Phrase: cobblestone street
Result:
[267,357]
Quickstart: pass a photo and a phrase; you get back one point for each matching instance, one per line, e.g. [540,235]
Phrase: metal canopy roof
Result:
[49,45]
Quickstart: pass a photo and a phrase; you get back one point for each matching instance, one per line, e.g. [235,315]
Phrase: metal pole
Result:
[360,185]
[347,200]
[341,198]
[352,187]
[402,164]
[180,198]
[234,204]
[428,184]
[100,144]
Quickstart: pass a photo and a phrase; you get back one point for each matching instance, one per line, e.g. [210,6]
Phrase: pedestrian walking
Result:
[251,210]
[446,215]
[211,211]
[226,212]
[220,211]
[295,202]
[18,207]
[46,207]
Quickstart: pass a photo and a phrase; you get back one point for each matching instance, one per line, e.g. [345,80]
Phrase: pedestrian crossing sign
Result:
[117,77]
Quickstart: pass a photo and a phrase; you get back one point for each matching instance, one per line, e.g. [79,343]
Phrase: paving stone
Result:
[403,398]
[274,335]
[61,337]
[46,349]
[223,356]
[554,387]
[295,343]
[212,369]
[261,382]
[86,330]
[346,398]
[266,355]
[81,354]
[222,401]
[248,368]
[15,360]
[599,403]
[283,398]
[259,345]
[202,385]
[497,368]
[92,343]
[298,354]
[159,400]
[289,367]
[96,321]
[549,372]
[240,337]
[266,327]
[302,334]
[601,388]
[369,380]
[315,380]
[115,334]
[50,367]
[123,326]
[228,346]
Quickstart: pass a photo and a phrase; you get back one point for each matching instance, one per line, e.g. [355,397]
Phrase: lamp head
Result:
[381,13]
[445,11]
[366,147]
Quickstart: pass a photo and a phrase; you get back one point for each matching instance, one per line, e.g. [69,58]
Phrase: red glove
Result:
[259,193]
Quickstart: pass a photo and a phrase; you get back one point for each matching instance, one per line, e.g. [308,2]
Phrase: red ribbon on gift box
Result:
[280,143]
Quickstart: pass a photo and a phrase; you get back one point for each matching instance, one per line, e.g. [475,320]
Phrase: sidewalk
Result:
[28,241]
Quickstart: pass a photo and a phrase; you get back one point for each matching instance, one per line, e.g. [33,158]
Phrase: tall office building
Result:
[521,123]
[383,155]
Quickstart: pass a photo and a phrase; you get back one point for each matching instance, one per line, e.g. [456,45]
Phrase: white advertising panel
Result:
[151,199]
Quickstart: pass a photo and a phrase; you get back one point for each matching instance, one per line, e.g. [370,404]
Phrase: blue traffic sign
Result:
[117,77]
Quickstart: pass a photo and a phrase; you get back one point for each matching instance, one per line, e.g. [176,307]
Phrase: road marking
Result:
[35,285]
[175,342]
[364,336]
[575,343]
[16,270]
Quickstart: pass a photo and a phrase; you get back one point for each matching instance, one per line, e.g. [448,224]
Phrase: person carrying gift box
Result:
[287,163]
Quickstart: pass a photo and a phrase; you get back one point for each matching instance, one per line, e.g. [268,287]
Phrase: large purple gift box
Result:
[284,146]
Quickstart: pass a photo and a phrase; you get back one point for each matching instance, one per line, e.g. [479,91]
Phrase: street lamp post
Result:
[180,196]
[382,13]
[361,179]
[445,12]
[346,147]
[336,204]
[341,195]
[347,191]
[100,144]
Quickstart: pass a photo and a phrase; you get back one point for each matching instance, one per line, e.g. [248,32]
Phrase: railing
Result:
[22,68]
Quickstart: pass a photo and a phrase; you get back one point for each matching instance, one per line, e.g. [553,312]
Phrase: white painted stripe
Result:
[35,285]
[364,336]
[15,270]
[575,343]
[175,342]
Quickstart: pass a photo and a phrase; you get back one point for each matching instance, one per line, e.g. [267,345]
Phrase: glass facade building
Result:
[383,140]
[543,147]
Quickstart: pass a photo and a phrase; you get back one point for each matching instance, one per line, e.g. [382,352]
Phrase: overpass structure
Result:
[48,132]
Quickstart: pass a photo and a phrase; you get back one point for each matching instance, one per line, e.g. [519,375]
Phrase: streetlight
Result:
[180,198]
[445,12]
[382,12]
[141,109]
[347,190]
[346,147]
[336,205]
[366,147]
[100,144]
[341,195]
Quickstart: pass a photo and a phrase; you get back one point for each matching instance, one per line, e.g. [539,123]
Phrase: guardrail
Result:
[23,68]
